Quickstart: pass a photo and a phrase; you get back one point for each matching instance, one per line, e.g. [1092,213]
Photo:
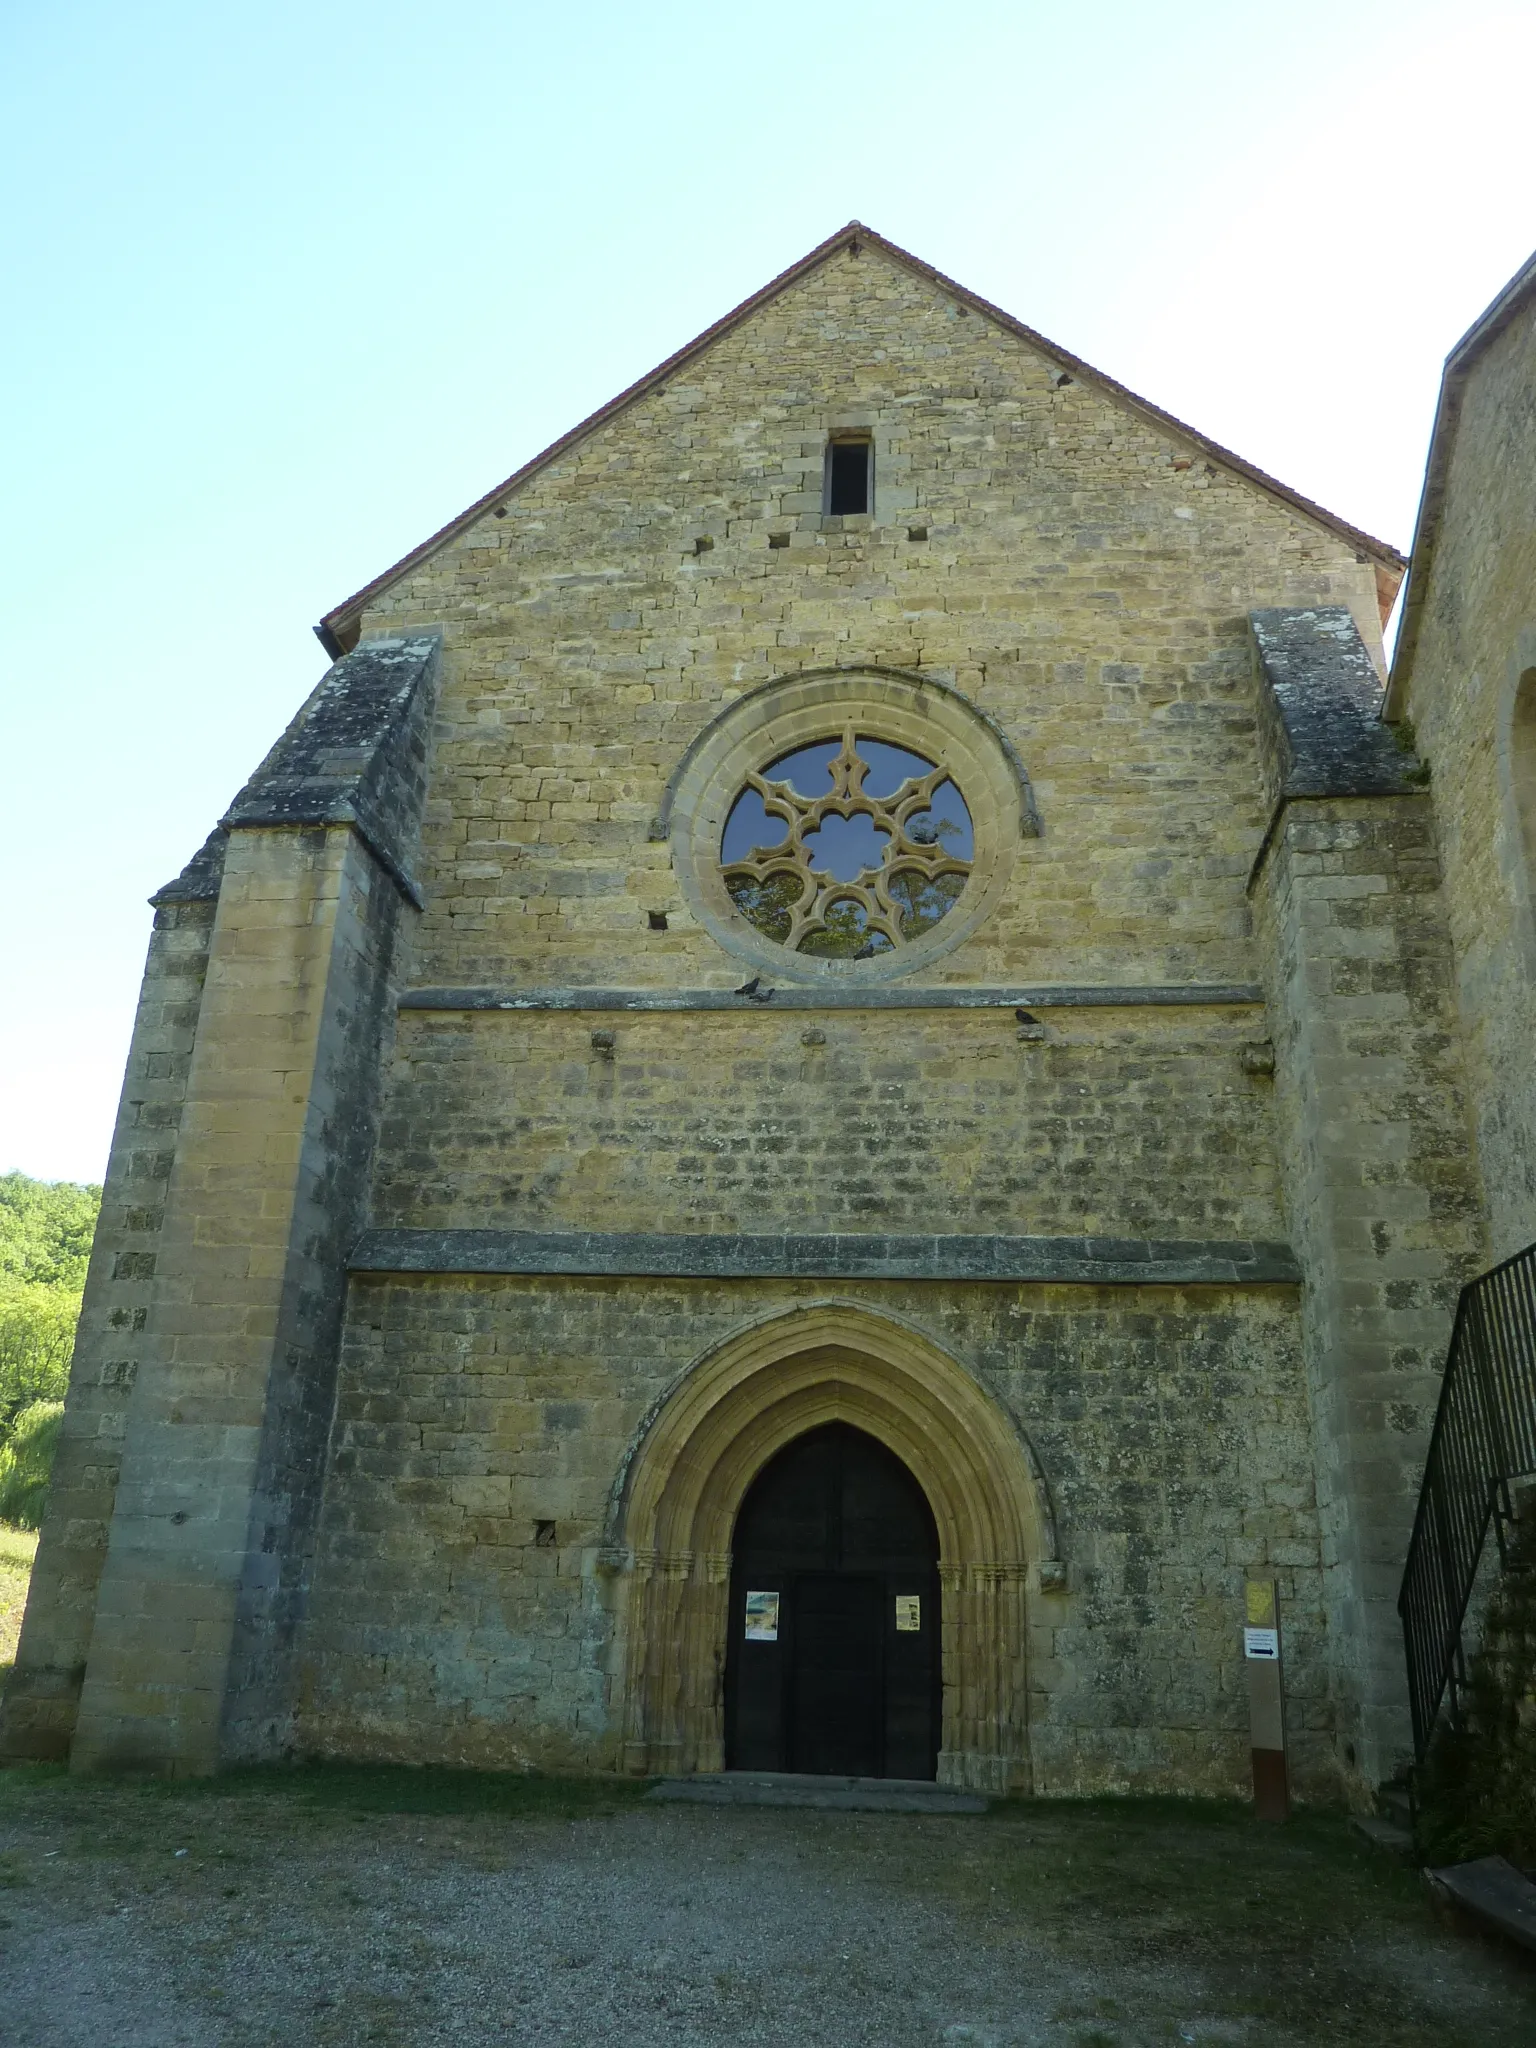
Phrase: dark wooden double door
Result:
[833,1660]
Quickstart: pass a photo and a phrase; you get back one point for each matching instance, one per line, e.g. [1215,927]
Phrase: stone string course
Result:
[786,996]
[828,1255]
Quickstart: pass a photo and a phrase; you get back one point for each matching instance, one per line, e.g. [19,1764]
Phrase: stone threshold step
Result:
[838,1795]
[1384,1834]
[1495,1893]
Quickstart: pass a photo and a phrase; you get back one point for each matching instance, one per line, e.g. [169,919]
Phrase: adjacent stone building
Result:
[838,1023]
[1464,679]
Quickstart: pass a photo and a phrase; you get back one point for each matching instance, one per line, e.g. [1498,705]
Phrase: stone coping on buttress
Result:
[831,1255]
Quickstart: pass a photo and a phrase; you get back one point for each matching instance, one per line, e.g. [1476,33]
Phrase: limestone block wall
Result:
[1382,1196]
[1084,580]
[38,1714]
[1469,644]
[467,1606]
[1132,1122]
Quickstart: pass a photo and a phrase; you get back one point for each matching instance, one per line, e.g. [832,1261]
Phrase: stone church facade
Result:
[863,898]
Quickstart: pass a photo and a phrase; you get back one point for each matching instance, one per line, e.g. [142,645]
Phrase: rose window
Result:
[847,848]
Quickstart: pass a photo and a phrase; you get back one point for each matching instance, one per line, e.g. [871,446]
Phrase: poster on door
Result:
[909,1613]
[762,1617]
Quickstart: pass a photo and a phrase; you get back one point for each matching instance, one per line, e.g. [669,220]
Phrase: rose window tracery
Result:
[847,848]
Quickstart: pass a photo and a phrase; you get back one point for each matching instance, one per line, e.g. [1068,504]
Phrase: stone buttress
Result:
[1376,1133]
[169,1588]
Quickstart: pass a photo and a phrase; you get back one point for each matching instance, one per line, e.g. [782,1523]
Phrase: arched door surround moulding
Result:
[669,1548]
[920,713]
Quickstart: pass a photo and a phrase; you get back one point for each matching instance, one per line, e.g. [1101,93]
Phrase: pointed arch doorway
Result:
[683,1484]
[832,1656]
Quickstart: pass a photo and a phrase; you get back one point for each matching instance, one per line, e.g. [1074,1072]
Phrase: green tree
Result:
[37,1341]
[26,1460]
[46,1228]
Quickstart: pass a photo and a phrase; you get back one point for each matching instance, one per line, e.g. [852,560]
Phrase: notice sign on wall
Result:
[762,1617]
[1261,1642]
[909,1613]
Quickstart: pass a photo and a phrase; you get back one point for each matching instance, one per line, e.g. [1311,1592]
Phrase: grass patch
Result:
[1302,1927]
[168,1828]
[398,1788]
[285,1795]
[1147,1862]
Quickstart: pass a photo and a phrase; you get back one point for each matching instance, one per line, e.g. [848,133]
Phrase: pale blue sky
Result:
[288,287]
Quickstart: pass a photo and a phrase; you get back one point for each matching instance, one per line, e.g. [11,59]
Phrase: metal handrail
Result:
[1484,1437]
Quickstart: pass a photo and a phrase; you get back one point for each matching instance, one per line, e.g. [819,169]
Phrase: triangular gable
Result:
[338,630]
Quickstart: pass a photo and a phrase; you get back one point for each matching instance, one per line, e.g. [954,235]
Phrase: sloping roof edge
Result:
[1490,323]
[337,631]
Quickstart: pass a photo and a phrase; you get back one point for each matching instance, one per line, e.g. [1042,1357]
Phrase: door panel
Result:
[836,1699]
[911,1681]
[838,1528]
[754,1692]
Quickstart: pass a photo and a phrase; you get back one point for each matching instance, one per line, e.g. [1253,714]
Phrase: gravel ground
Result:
[136,1918]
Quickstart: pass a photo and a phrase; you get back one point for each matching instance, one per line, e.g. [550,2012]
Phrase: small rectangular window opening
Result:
[849,479]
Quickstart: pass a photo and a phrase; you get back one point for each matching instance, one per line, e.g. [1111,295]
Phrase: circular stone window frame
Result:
[917,712]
